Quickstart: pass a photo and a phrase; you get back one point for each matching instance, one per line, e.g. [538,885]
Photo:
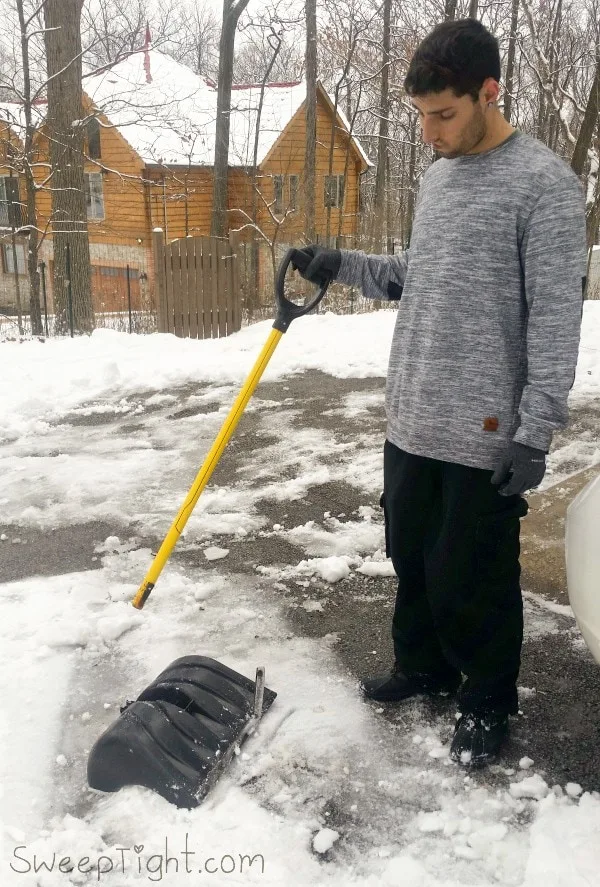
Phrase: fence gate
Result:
[197,282]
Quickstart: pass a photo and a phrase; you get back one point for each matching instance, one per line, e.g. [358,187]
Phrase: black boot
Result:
[394,685]
[478,738]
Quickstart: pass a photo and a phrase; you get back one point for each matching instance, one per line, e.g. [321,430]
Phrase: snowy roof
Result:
[171,119]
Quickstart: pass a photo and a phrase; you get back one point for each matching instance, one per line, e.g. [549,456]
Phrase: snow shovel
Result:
[181,732]
[286,312]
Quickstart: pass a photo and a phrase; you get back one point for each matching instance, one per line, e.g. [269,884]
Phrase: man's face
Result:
[454,126]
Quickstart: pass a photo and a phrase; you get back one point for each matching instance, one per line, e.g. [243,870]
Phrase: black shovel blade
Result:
[179,734]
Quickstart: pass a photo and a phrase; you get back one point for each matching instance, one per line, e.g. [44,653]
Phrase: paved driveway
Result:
[560,683]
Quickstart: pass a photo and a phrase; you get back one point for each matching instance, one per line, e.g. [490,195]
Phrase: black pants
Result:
[454,543]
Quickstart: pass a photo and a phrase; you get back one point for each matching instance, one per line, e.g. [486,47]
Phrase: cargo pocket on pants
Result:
[497,546]
[388,551]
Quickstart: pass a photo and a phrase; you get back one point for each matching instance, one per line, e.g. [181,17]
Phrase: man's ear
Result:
[491,90]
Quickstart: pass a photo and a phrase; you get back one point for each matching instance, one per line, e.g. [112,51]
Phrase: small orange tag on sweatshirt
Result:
[490,423]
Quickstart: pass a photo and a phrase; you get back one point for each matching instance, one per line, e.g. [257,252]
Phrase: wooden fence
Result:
[197,283]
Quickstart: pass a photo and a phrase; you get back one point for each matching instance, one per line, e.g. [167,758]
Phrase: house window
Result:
[108,271]
[3,203]
[8,258]
[334,191]
[94,195]
[278,194]
[11,210]
[93,138]
[293,192]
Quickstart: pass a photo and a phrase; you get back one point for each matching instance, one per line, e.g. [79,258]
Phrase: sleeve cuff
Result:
[539,438]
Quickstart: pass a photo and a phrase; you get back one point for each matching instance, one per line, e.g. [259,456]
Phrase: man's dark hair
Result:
[458,55]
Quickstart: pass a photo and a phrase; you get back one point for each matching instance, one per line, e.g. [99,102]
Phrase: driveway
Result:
[559,723]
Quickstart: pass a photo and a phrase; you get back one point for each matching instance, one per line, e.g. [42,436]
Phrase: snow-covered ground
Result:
[325,794]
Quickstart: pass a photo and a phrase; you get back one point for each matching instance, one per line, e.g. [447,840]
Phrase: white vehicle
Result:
[582,549]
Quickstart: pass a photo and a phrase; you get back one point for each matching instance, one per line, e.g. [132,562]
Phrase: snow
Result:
[331,569]
[324,840]
[526,763]
[376,568]
[335,535]
[530,787]
[74,649]
[172,118]
[214,553]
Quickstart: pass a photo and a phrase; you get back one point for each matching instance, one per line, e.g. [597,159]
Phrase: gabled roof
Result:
[171,119]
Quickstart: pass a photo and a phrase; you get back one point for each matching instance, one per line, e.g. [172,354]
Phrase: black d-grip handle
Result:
[286,310]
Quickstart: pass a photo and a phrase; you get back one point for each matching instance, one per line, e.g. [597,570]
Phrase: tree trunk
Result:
[352,120]
[412,166]
[35,313]
[382,143]
[330,163]
[252,277]
[231,14]
[450,10]
[583,146]
[13,240]
[311,120]
[554,66]
[510,61]
[69,206]
[589,124]
[390,208]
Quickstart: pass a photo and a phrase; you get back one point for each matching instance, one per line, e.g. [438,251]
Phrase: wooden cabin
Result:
[150,131]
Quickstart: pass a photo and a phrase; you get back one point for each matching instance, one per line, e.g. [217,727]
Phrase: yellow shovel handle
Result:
[207,469]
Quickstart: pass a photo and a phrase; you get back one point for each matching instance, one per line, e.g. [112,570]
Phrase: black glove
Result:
[527,465]
[323,264]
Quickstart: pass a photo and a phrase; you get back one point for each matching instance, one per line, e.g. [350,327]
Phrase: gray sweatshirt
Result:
[487,332]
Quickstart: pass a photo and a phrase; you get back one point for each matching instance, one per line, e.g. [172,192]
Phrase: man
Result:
[482,360]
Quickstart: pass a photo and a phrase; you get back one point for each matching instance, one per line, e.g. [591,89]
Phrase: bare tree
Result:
[311,118]
[274,40]
[450,10]
[589,124]
[27,170]
[72,277]
[256,53]
[382,146]
[196,40]
[564,107]
[510,61]
[112,29]
[346,25]
[232,9]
